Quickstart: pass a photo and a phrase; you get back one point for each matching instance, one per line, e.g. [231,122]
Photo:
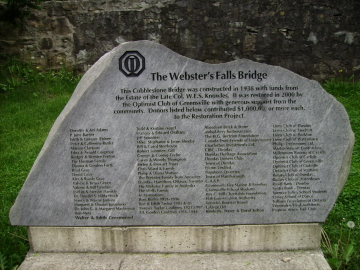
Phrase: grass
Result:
[30,101]
[347,207]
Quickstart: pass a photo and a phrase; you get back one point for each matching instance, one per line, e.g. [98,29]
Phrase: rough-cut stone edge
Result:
[298,260]
[345,167]
[178,239]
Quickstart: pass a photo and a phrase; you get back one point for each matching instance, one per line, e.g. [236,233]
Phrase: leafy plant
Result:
[3,263]
[339,254]
[342,87]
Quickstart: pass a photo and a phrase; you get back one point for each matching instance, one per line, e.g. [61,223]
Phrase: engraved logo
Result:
[132,63]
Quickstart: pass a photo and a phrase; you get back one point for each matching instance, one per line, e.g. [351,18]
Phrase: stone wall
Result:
[317,39]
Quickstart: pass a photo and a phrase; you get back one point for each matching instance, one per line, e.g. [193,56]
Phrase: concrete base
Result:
[276,246]
[299,260]
[176,239]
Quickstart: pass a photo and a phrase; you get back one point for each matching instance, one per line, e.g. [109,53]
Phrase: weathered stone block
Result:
[150,137]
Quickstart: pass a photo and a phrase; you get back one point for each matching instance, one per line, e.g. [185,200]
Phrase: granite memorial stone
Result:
[150,137]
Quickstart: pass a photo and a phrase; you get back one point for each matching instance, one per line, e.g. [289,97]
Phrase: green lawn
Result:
[347,207]
[30,101]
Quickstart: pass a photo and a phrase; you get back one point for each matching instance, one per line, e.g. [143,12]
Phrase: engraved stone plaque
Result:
[150,137]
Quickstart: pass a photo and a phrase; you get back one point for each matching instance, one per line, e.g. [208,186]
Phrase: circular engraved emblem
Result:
[132,63]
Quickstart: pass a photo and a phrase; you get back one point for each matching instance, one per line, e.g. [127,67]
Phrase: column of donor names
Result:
[228,150]
[92,155]
[161,186]
[297,156]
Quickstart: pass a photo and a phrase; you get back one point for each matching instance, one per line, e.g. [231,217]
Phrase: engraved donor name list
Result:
[150,137]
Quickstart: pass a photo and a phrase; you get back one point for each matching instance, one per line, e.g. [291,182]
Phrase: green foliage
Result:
[343,254]
[340,253]
[30,101]
[18,9]
[3,264]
